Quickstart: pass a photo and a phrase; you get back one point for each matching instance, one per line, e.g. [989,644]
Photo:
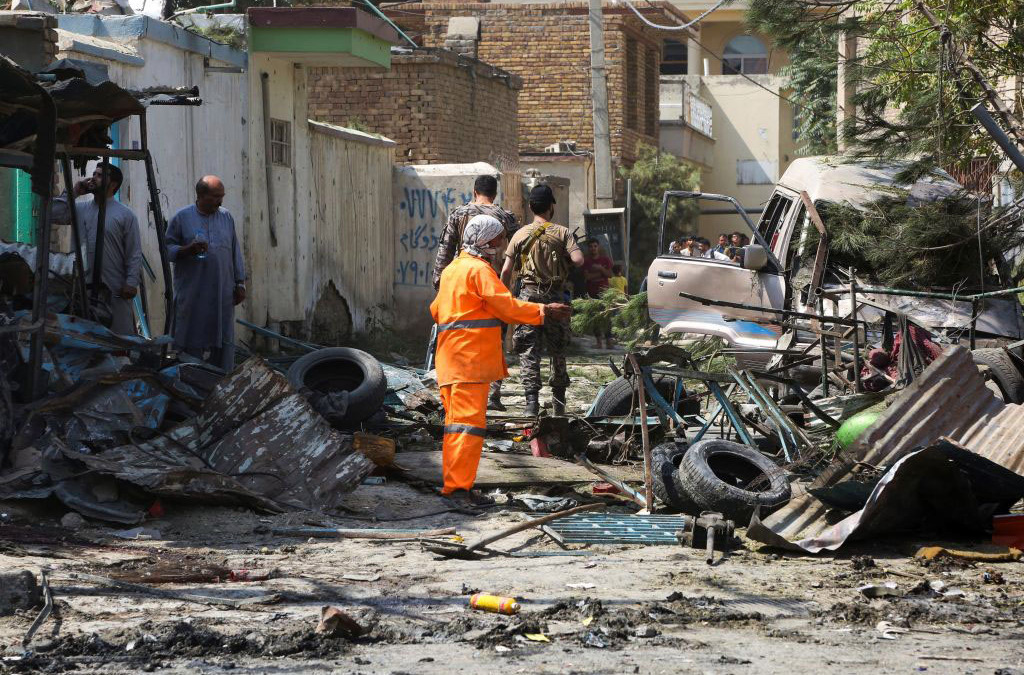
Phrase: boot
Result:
[494,403]
[532,404]
[558,402]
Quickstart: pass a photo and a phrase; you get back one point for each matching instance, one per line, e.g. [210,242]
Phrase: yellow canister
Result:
[494,603]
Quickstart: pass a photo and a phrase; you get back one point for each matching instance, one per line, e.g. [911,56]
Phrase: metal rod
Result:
[42,281]
[782,429]
[796,431]
[612,480]
[974,321]
[101,229]
[159,223]
[980,113]
[76,237]
[644,435]
[731,413]
[856,332]
[824,352]
[766,310]
[629,217]
[714,413]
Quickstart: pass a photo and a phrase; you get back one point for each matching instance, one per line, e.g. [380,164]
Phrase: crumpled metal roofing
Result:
[951,400]
[256,441]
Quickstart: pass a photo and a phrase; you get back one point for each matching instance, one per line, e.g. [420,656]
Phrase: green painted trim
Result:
[25,206]
[358,43]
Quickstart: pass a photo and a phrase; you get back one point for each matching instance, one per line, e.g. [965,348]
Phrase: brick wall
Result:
[438,107]
[548,46]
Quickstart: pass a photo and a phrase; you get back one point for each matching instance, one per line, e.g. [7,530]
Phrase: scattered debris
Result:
[18,590]
[335,622]
[494,603]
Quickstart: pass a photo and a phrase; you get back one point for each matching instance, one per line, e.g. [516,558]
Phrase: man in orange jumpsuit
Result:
[470,306]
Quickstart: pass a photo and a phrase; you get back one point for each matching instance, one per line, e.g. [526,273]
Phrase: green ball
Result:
[850,430]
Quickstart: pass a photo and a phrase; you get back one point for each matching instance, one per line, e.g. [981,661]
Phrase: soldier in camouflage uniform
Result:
[541,253]
[485,191]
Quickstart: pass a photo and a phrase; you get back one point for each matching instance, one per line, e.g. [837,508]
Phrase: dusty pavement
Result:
[603,609]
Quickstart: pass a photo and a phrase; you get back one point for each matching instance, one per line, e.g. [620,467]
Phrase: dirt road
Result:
[613,609]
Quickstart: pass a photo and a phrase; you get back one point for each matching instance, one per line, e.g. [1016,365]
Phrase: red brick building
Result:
[438,106]
[548,47]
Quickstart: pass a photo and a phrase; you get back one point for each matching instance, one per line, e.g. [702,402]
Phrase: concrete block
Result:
[19,590]
[463,28]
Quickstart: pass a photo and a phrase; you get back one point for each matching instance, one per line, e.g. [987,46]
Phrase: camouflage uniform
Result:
[529,342]
[451,235]
[543,280]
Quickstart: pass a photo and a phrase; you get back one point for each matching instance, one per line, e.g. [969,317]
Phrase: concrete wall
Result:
[186,142]
[423,197]
[578,170]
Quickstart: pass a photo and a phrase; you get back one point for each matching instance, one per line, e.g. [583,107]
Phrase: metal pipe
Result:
[629,214]
[856,332]
[265,93]
[205,8]
[882,290]
[824,352]
[731,413]
[39,297]
[612,480]
[161,225]
[781,427]
[981,113]
[76,236]
[101,230]
[381,14]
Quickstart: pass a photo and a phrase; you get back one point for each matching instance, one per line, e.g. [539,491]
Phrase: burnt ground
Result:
[607,609]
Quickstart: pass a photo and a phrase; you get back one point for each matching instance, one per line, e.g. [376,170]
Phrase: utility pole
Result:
[599,97]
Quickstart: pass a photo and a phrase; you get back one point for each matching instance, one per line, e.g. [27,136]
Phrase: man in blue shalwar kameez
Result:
[209,276]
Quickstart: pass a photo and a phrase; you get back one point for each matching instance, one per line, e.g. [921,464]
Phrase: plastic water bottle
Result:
[200,237]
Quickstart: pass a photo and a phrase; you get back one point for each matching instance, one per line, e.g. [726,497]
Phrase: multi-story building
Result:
[721,92]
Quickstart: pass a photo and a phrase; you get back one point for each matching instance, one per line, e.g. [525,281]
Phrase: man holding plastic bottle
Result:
[209,276]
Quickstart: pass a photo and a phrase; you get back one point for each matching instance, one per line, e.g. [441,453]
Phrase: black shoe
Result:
[494,403]
[532,404]
[469,500]
[558,402]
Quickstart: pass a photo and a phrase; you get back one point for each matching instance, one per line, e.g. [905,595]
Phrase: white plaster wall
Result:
[423,197]
[580,173]
[186,142]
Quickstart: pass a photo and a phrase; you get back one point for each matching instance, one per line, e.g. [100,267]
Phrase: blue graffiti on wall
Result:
[423,213]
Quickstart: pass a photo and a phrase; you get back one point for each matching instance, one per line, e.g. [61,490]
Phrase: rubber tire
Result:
[616,398]
[665,459]
[712,493]
[360,374]
[1004,372]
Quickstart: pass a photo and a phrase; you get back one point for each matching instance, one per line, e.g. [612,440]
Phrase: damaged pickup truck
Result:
[785,269]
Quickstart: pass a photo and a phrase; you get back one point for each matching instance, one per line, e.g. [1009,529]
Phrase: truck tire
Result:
[341,369]
[616,399]
[665,459]
[1003,373]
[715,474]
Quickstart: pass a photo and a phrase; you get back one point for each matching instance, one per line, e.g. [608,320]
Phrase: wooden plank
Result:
[511,470]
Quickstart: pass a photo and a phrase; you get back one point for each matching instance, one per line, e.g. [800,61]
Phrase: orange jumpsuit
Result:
[469,308]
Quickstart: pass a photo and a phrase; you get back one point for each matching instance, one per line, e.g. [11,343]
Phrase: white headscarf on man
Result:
[480,230]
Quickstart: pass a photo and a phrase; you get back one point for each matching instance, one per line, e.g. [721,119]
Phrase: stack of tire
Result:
[718,475]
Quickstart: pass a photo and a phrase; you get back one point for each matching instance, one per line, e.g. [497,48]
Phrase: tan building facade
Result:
[725,83]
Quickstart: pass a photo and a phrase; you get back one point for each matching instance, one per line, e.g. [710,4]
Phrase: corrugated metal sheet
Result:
[256,441]
[352,224]
[950,400]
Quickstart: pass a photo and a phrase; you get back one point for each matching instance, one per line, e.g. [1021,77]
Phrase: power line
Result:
[683,26]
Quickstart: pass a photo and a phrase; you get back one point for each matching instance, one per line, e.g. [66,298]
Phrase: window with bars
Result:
[280,143]
[632,85]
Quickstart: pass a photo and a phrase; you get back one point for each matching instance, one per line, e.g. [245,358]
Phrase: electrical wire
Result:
[716,56]
[670,28]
